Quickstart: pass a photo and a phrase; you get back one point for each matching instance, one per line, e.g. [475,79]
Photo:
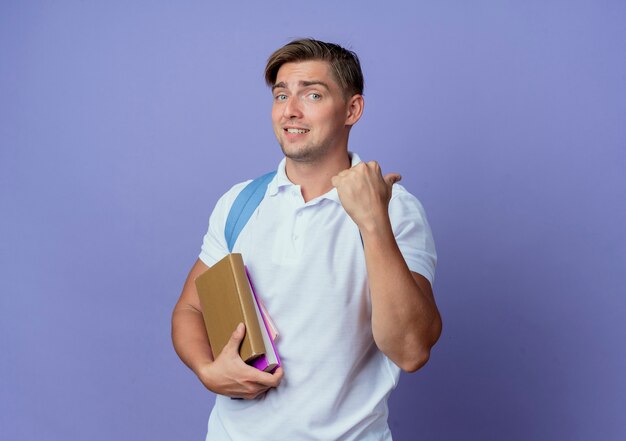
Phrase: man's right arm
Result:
[188,331]
[228,374]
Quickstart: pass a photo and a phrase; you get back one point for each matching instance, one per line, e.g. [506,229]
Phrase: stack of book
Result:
[228,298]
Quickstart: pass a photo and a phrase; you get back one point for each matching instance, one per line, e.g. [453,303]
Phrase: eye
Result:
[280,97]
[315,96]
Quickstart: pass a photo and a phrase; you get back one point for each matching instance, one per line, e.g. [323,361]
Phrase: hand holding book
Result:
[228,375]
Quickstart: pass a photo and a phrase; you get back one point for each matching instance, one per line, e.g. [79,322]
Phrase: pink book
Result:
[269,361]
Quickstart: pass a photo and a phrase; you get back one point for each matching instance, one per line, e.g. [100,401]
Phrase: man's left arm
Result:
[405,319]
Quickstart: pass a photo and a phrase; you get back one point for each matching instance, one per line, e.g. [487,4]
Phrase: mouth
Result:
[295,131]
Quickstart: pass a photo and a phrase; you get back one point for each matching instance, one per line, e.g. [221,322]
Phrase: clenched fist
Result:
[365,193]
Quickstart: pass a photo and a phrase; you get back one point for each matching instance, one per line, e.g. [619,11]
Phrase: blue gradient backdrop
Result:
[122,122]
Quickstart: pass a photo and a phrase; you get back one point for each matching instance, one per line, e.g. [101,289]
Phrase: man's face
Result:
[310,112]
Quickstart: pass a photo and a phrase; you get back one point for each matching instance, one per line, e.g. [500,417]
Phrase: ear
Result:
[354,109]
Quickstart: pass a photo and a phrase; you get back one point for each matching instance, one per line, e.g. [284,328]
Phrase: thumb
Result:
[236,338]
[391,178]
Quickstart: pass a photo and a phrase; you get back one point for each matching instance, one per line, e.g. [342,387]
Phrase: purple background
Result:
[122,122]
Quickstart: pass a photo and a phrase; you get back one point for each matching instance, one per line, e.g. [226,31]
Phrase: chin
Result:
[306,153]
[294,152]
[302,155]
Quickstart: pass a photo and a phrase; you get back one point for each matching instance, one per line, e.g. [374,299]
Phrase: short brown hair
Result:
[344,64]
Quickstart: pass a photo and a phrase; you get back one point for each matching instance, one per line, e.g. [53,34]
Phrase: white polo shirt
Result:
[307,263]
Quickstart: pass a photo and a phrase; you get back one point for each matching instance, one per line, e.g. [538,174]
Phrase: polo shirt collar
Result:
[281,180]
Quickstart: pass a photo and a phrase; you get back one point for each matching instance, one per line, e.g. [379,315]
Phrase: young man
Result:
[343,259]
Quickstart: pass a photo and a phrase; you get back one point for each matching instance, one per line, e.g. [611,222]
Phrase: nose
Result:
[292,108]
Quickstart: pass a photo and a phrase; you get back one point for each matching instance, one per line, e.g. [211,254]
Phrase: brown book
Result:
[227,300]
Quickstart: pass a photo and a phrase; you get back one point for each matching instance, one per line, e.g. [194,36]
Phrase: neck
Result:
[314,178]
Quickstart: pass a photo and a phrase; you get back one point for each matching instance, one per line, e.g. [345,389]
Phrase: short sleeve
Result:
[412,232]
[214,246]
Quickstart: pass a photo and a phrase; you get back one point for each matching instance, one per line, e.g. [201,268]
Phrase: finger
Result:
[235,339]
[279,372]
[259,386]
[335,180]
[392,178]
[278,376]
[251,391]
[257,394]
[375,166]
[275,379]
[269,380]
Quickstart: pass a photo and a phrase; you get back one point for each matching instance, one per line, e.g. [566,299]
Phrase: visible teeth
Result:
[297,130]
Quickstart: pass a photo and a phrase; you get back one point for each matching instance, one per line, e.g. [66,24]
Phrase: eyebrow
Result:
[283,85]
